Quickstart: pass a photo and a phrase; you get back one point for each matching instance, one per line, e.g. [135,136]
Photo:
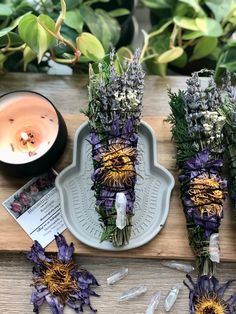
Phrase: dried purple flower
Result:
[204,191]
[206,296]
[58,280]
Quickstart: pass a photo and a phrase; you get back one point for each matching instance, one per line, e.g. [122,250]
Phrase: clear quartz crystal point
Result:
[172,296]
[154,302]
[214,248]
[120,205]
[181,266]
[116,276]
[133,293]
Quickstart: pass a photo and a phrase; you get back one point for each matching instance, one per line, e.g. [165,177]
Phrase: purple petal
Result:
[94,139]
[204,284]
[128,127]
[198,160]
[85,279]
[201,161]
[37,298]
[55,305]
[73,305]
[37,254]
[115,128]
[65,252]
[41,288]
[231,300]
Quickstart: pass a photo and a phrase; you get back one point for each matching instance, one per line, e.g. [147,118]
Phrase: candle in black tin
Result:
[33,133]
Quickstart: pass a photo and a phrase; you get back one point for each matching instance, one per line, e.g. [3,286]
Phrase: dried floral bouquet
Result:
[114,111]
[197,123]
[229,111]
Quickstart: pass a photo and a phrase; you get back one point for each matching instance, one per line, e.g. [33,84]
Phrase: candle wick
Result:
[28,142]
[24,136]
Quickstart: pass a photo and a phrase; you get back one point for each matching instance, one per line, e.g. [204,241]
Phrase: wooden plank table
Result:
[69,94]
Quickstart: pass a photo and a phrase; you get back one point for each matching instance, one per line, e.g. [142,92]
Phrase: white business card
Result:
[36,207]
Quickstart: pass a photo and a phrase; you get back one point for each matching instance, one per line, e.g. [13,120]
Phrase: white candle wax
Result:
[28,127]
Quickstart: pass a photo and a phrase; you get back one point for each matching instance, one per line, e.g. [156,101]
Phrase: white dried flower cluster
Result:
[127,101]
[213,123]
[205,123]
[115,94]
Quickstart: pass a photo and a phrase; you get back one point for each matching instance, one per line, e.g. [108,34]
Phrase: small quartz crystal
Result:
[181,266]
[133,293]
[116,276]
[120,205]
[172,296]
[214,248]
[154,302]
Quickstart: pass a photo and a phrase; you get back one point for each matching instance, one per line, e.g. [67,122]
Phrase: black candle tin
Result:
[45,161]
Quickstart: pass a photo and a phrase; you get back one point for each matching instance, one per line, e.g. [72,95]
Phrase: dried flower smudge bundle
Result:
[115,103]
[197,130]
[197,123]
[229,111]
[58,280]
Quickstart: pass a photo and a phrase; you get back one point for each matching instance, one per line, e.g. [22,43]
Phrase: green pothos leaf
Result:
[186,23]
[170,55]
[204,47]
[5,10]
[29,55]
[90,47]
[33,30]
[74,20]
[209,26]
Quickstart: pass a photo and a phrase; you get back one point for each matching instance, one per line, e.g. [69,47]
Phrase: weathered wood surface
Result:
[69,95]
[171,242]
[15,290]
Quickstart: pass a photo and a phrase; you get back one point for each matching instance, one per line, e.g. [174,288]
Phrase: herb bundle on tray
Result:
[114,111]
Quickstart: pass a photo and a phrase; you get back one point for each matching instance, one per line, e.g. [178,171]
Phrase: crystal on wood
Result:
[181,266]
[172,296]
[116,276]
[154,302]
[133,293]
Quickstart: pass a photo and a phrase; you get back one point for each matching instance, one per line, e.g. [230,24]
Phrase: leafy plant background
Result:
[186,35]
[68,32]
[190,34]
